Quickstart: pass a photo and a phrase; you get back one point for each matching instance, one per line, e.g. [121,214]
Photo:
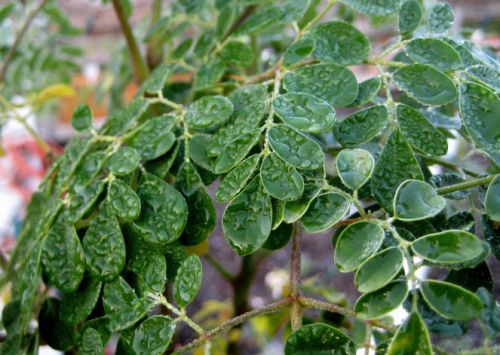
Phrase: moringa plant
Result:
[268,109]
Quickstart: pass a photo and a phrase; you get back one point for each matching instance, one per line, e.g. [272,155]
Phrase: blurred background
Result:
[74,52]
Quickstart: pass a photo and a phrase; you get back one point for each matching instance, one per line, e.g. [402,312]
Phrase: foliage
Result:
[296,143]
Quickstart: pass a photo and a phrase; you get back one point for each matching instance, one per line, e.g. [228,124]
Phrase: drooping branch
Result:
[140,67]
[19,37]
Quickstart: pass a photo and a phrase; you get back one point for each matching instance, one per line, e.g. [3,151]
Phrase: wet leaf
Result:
[479,109]
[416,200]
[89,167]
[188,281]
[63,259]
[412,337]
[298,51]
[356,243]
[324,211]
[83,199]
[154,335]
[163,213]
[124,161]
[304,112]
[56,334]
[82,118]
[395,165]
[238,54]
[198,151]
[76,306]
[236,150]
[90,343]
[122,306]
[295,148]
[361,126]
[236,179]
[201,218]
[355,167]
[104,246]
[425,84]
[209,111]
[441,17]
[410,16]
[247,219]
[157,79]
[340,43]
[448,247]
[485,75]
[419,132]
[149,265]
[434,52]
[263,19]
[368,90]
[319,338]
[188,180]
[335,84]
[294,210]
[492,200]
[378,303]
[374,8]
[378,270]
[451,301]
[124,200]
[281,180]
[154,138]
[247,95]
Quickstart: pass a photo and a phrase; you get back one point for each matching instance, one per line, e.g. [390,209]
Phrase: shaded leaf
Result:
[378,303]
[154,335]
[319,338]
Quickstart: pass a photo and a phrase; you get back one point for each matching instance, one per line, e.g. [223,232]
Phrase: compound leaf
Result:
[281,180]
[355,167]
[378,303]
[236,179]
[154,335]
[378,270]
[124,200]
[435,53]
[188,281]
[417,200]
[361,126]
[324,211]
[208,111]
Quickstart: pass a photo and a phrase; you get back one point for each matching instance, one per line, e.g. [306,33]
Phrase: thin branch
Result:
[19,37]
[154,52]
[447,164]
[140,68]
[296,308]
[465,185]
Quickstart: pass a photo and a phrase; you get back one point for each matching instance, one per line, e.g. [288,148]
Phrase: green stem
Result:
[318,17]
[446,164]
[154,54]
[141,70]
[296,308]
[19,37]
[465,185]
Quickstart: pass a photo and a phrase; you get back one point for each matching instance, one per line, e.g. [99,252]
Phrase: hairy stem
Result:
[465,185]
[140,68]
[19,37]
[296,308]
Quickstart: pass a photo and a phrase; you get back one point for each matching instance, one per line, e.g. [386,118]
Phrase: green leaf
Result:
[425,84]
[122,306]
[317,80]
[236,150]
[188,281]
[278,212]
[340,43]
[480,109]
[355,167]
[199,145]
[361,126]
[324,211]
[367,91]
[485,75]
[419,132]
[124,200]
[410,16]
[395,165]
[295,148]
[412,337]
[163,214]
[238,54]
[378,270]
[242,122]
[154,335]
[247,95]
[279,237]
[82,118]
[76,306]
[188,180]
[374,8]
[83,200]
[305,112]
[149,266]
[448,247]
[434,52]
[451,301]
[124,161]
[319,338]
[237,178]
[154,138]
[441,17]
[247,219]
[492,200]
[294,210]
[62,258]
[356,243]
[104,246]
[5,11]
[298,51]
[490,316]
[90,343]
[56,334]
[416,200]
[281,180]
[90,166]
[378,303]
[201,218]
[157,79]
[263,19]
[182,49]
[208,111]
[99,324]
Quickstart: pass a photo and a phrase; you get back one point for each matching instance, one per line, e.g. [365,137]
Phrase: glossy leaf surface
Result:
[319,338]
[324,211]
[378,303]
[375,8]
[361,126]
[281,180]
[417,200]
[188,281]
[209,111]
[236,179]
[235,151]
[378,270]
[410,16]
[124,200]
[435,53]
[492,200]
[412,337]
[154,335]
[355,167]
